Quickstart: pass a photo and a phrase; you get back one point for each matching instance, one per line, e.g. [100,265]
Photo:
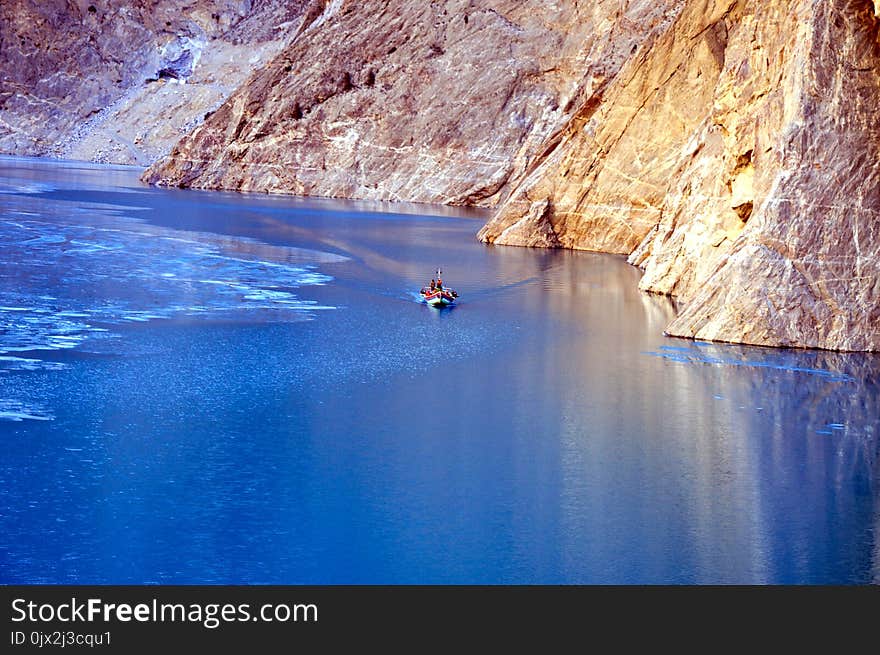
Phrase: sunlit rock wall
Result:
[735,158]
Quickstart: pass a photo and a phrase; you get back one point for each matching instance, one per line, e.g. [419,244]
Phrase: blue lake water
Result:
[218,388]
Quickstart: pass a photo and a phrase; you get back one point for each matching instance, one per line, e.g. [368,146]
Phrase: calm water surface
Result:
[207,387]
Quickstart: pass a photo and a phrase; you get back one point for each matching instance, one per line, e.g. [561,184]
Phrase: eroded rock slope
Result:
[420,101]
[123,81]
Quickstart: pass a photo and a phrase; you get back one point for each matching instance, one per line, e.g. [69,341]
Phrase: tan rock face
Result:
[421,101]
[745,182]
[73,75]
[805,268]
[607,179]
[534,229]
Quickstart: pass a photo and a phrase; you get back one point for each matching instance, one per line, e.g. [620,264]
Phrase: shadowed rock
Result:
[72,74]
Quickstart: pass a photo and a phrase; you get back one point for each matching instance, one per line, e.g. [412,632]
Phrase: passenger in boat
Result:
[433,284]
[439,284]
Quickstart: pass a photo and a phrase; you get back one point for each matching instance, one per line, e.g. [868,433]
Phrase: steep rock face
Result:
[805,269]
[81,79]
[607,179]
[434,102]
[736,159]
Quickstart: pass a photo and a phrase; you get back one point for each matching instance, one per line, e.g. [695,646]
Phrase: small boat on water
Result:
[437,295]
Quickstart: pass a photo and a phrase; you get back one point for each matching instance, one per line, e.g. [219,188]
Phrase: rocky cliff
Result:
[421,101]
[124,81]
[735,158]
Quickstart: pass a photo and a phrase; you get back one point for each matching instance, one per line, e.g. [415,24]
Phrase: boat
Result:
[438,296]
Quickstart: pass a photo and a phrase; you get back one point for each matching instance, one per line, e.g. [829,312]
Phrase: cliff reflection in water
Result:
[734,462]
[228,388]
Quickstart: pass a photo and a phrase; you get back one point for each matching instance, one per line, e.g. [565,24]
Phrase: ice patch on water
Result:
[14,410]
[9,363]
[719,356]
[8,185]
[268,294]
[75,276]
[75,280]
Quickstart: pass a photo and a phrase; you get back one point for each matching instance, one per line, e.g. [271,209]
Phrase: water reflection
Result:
[696,462]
